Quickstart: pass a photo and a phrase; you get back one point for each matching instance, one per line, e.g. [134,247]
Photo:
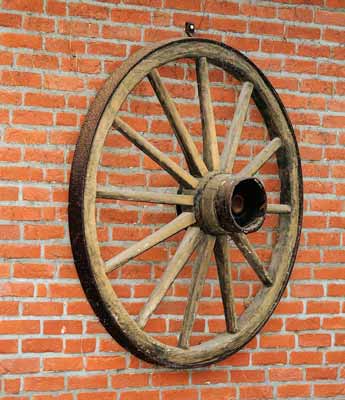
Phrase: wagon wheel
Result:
[214,203]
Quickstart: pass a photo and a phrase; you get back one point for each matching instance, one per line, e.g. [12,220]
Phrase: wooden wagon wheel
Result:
[214,203]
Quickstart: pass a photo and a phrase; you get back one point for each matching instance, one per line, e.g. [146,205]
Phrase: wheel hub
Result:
[225,204]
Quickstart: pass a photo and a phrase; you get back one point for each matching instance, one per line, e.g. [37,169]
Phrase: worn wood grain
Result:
[234,135]
[165,162]
[259,160]
[250,255]
[210,144]
[176,225]
[221,251]
[193,158]
[144,196]
[197,284]
[178,261]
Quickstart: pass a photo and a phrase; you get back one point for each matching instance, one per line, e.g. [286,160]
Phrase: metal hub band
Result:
[226,204]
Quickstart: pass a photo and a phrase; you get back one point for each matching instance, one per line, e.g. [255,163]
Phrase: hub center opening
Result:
[247,202]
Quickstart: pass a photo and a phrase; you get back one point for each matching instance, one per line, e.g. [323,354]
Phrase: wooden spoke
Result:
[176,225]
[259,160]
[197,284]
[149,197]
[254,261]
[210,146]
[234,134]
[193,158]
[183,252]
[225,282]
[278,209]
[165,162]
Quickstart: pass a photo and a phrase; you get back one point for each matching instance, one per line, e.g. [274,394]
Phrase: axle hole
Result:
[248,202]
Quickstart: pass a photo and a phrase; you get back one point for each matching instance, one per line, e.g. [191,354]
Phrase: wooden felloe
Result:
[214,205]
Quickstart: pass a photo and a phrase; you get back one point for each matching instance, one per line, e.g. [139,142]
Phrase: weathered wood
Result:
[82,204]
[197,284]
[259,160]
[176,225]
[165,162]
[193,158]
[147,196]
[210,145]
[182,255]
[221,251]
[253,259]
[278,209]
[234,134]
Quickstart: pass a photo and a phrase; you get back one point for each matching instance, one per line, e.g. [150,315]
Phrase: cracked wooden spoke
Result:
[197,284]
[225,282]
[259,160]
[210,146]
[145,196]
[234,134]
[182,255]
[183,177]
[176,225]
[253,259]
[278,209]
[193,158]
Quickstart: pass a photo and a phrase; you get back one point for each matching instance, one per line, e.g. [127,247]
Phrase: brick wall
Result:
[54,55]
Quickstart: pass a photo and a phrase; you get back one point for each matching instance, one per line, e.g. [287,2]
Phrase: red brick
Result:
[55,7]
[68,83]
[19,78]
[305,357]
[317,373]
[87,382]
[334,35]
[268,358]
[32,117]
[21,327]
[107,49]
[10,20]
[41,345]
[329,390]
[60,327]
[286,374]
[129,380]
[303,32]
[291,391]
[208,377]
[63,364]
[169,378]
[105,363]
[42,308]
[314,340]
[256,392]
[296,14]
[38,61]
[8,346]
[19,366]
[330,17]
[78,28]
[44,100]
[43,383]
[24,5]
[323,307]
[21,40]
[39,24]
[88,11]
[266,28]
[225,393]
[247,376]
